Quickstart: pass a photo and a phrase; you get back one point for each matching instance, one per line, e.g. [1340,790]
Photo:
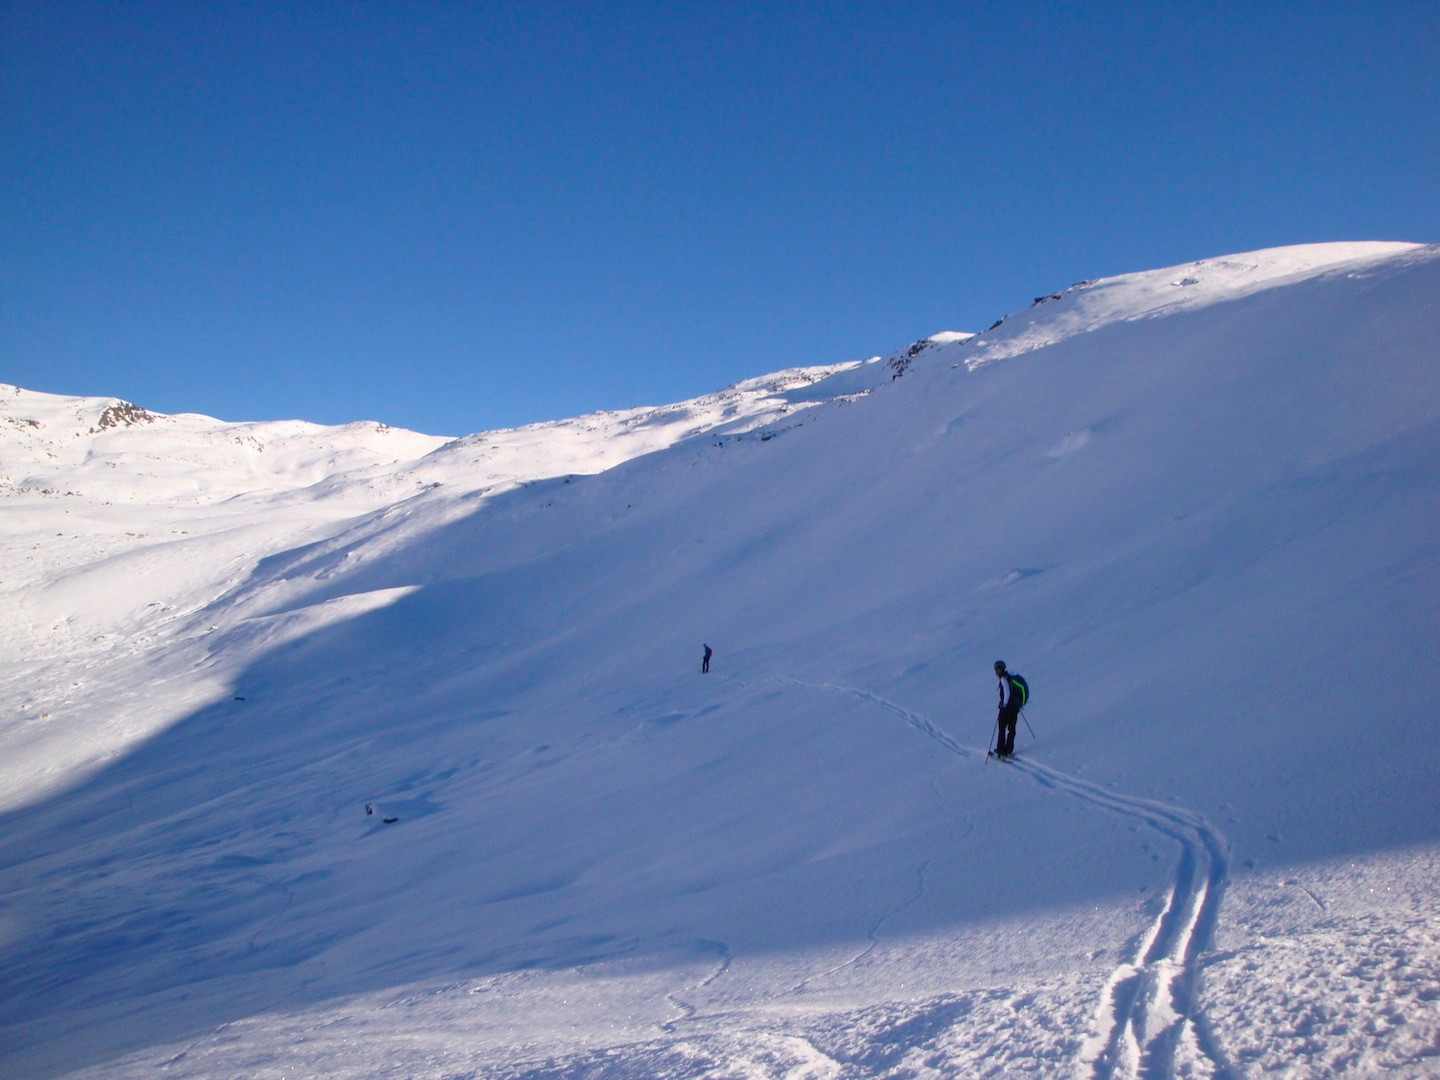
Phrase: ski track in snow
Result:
[873,934]
[1151,1004]
[686,1009]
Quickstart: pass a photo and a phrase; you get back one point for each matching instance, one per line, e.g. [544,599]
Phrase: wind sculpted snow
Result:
[1195,507]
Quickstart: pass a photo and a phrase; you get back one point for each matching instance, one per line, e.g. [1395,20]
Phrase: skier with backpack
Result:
[1014,693]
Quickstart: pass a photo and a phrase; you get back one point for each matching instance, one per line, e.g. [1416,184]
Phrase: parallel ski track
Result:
[1151,1003]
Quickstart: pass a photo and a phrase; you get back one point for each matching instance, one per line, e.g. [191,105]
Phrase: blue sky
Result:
[453,217]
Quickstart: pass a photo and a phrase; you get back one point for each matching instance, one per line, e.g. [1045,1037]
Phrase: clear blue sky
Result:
[453,217]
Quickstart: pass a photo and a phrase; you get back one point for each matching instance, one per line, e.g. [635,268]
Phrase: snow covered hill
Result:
[123,525]
[1197,507]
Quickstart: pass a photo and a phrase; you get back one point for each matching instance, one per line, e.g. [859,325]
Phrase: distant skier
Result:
[1012,697]
[705,661]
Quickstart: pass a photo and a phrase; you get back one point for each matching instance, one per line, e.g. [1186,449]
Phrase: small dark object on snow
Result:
[369,810]
[239,699]
[390,820]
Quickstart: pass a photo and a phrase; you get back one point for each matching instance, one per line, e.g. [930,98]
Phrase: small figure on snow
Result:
[1012,698]
[705,661]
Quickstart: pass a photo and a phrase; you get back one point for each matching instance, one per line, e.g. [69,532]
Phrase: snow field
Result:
[1195,507]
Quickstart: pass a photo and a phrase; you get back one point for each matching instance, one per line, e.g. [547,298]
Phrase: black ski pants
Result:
[1005,742]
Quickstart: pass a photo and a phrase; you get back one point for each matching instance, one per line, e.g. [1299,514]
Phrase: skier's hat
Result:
[999,665]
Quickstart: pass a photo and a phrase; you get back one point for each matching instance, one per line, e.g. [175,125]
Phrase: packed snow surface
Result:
[358,752]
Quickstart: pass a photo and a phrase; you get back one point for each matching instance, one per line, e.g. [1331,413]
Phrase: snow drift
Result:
[1196,507]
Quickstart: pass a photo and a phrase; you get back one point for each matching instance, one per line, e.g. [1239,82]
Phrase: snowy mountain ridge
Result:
[358,752]
[52,441]
[1089,305]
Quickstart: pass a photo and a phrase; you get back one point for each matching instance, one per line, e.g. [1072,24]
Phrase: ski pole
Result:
[991,749]
[1027,725]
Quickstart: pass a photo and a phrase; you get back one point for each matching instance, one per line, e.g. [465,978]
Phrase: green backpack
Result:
[1020,686]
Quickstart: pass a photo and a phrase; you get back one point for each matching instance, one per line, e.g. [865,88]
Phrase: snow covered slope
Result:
[123,526]
[1196,507]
